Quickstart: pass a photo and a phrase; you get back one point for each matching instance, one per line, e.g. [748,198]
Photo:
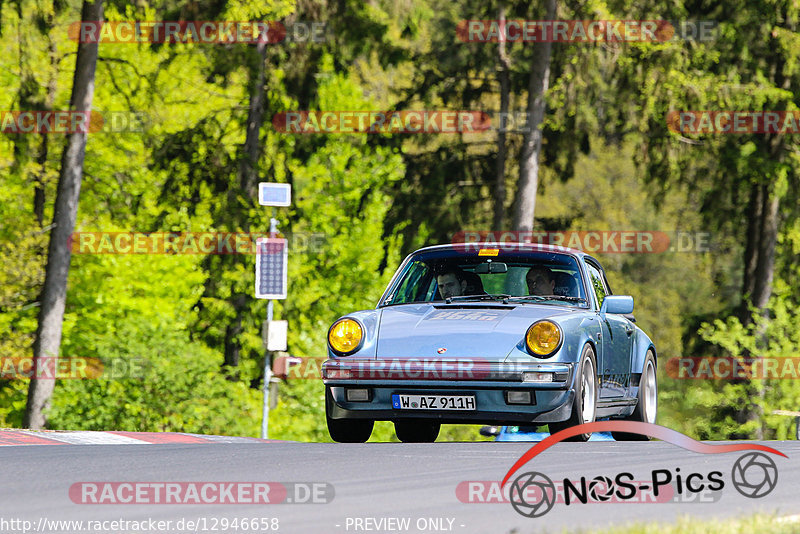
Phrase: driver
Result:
[451,283]
[540,281]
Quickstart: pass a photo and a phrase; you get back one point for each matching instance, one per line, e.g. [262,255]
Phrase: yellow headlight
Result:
[543,338]
[345,336]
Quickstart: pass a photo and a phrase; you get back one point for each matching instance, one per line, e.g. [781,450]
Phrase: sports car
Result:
[490,333]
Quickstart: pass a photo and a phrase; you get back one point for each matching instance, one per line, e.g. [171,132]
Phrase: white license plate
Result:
[433,402]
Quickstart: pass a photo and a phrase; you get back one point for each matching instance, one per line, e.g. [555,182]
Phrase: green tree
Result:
[54,292]
[750,65]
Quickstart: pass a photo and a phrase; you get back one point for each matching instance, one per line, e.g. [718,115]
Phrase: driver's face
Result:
[449,286]
[539,283]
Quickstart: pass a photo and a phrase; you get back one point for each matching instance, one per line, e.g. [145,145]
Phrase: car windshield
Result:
[521,277]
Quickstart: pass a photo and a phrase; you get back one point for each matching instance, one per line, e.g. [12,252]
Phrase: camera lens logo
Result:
[601,489]
[534,486]
[754,475]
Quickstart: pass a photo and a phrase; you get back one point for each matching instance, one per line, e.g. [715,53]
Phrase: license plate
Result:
[433,402]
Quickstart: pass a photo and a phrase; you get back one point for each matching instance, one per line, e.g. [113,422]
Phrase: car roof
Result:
[516,247]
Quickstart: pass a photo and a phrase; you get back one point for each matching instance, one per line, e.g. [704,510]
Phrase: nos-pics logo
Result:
[533,494]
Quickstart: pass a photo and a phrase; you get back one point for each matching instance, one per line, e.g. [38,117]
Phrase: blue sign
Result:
[274,194]
[272,255]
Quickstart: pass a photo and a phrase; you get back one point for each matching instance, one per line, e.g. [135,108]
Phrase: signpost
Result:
[275,335]
[272,194]
[272,255]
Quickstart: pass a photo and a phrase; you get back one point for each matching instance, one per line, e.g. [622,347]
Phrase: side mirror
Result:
[490,431]
[617,304]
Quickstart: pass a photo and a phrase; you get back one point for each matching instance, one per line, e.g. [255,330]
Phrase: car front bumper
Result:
[488,383]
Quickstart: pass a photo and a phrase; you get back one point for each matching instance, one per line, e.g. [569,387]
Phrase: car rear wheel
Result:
[416,431]
[584,407]
[647,401]
[346,430]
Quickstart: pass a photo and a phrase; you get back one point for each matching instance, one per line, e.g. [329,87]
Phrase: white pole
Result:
[273,230]
[267,379]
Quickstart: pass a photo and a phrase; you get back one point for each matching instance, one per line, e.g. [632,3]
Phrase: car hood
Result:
[486,331]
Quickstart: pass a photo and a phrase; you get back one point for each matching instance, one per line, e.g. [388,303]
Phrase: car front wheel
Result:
[346,430]
[584,407]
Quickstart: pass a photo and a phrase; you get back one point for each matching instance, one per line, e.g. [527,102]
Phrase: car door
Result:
[614,370]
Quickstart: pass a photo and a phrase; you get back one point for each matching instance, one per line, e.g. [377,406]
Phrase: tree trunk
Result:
[500,165]
[754,209]
[41,180]
[765,267]
[759,262]
[248,164]
[51,312]
[248,185]
[233,346]
[529,160]
[759,254]
[38,188]
[762,288]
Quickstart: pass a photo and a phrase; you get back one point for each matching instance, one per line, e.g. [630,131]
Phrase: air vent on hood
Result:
[476,306]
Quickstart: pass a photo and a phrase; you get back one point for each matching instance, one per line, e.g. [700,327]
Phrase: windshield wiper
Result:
[567,299]
[529,297]
[540,298]
[485,296]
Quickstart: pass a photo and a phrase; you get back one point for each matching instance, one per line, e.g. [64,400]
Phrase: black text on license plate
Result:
[433,402]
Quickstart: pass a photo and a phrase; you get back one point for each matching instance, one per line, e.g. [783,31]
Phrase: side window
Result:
[414,288]
[599,285]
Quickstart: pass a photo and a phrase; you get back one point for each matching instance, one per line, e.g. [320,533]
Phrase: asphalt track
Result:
[371,481]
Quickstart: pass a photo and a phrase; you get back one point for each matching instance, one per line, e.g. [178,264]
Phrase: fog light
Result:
[357,395]
[518,397]
[537,377]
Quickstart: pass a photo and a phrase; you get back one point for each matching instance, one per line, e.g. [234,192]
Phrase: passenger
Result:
[540,281]
[474,284]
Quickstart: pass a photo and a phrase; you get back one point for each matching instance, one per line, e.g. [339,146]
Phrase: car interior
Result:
[420,281]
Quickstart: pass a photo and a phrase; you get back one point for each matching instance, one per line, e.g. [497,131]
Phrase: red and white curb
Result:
[63,437]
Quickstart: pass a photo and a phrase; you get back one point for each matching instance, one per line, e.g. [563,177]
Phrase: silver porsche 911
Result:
[500,334]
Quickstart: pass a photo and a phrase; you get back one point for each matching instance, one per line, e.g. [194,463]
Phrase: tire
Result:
[584,407]
[346,430]
[416,431]
[646,403]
